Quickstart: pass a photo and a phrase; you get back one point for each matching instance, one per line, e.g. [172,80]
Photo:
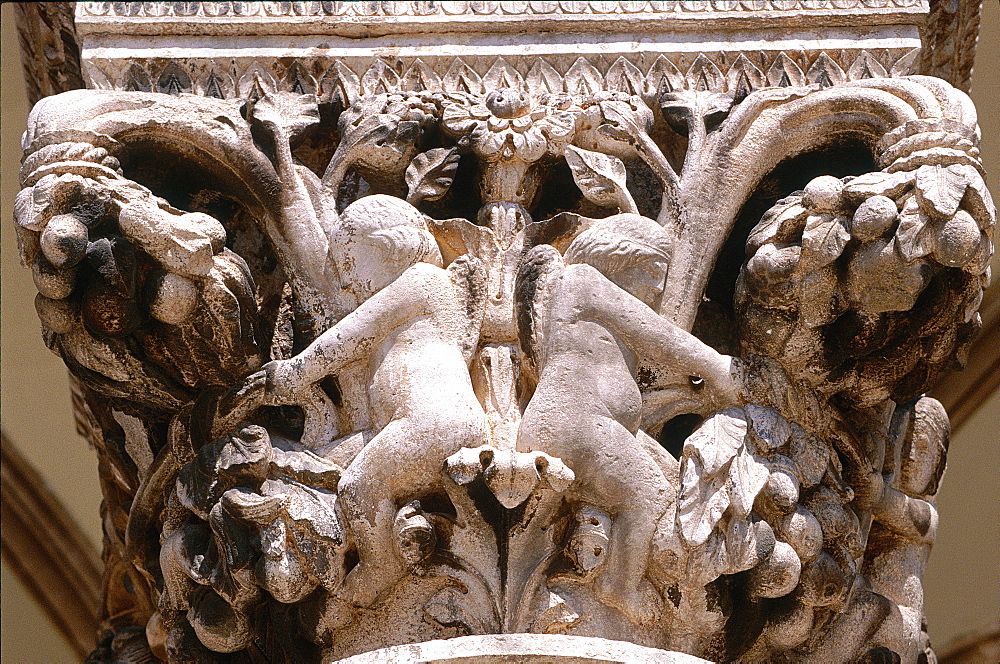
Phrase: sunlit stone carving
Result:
[471,347]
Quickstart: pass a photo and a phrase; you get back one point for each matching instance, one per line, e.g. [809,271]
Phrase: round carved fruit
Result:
[60,316]
[873,218]
[778,574]
[50,281]
[174,300]
[823,194]
[107,313]
[64,240]
[802,530]
[956,240]
[210,226]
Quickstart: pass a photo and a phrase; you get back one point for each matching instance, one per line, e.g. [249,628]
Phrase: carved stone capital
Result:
[510,335]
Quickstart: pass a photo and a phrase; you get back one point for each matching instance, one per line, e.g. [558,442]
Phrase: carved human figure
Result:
[415,331]
[906,522]
[590,323]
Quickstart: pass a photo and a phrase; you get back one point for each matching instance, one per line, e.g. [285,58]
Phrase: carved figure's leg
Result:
[620,582]
[613,471]
[405,459]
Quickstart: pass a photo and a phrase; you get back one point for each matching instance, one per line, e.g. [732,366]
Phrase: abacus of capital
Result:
[561,331]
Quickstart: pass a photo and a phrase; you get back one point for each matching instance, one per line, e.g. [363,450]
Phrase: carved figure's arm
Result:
[655,338]
[354,337]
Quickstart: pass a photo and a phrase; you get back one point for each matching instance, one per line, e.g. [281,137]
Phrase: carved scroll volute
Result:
[210,134]
[767,127]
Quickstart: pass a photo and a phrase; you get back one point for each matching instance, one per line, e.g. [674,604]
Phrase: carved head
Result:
[631,250]
[378,238]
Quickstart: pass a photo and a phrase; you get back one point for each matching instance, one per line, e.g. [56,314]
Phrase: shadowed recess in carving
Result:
[842,157]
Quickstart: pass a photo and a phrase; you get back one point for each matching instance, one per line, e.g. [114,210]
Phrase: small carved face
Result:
[370,267]
[643,279]
[508,104]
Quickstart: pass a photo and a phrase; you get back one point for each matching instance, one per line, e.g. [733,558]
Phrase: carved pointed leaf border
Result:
[575,74]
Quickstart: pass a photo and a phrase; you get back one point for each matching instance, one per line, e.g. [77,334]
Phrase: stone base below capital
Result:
[522,648]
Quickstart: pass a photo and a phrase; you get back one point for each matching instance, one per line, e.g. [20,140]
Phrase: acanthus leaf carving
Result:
[430,174]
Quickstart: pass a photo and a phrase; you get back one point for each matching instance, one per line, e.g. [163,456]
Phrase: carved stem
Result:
[306,242]
[653,156]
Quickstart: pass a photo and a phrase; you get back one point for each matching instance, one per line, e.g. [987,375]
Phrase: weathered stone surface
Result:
[522,648]
[556,347]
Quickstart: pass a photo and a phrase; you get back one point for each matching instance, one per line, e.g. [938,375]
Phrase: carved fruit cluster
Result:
[111,261]
[836,268]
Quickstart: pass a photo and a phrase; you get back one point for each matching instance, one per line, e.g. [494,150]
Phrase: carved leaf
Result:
[255,82]
[823,240]
[701,502]
[502,75]
[429,175]
[747,475]
[380,77]
[705,492]
[136,79]
[542,77]
[914,238]
[420,77]
[878,183]
[781,223]
[742,544]
[96,77]
[866,66]
[825,72]
[905,65]
[556,617]
[625,77]
[664,76]
[819,304]
[299,80]
[295,113]
[939,190]
[583,78]
[743,78]
[977,198]
[173,80]
[932,157]
[784,73]
[811,455]
[217,84]
[114,259]
[627,123]
[769,428]
[373,141]
[600,177]
[705,76]
[341,83]
[717,440]
[462,78]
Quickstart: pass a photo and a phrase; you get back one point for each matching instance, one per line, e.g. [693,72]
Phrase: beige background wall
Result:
[963,580]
